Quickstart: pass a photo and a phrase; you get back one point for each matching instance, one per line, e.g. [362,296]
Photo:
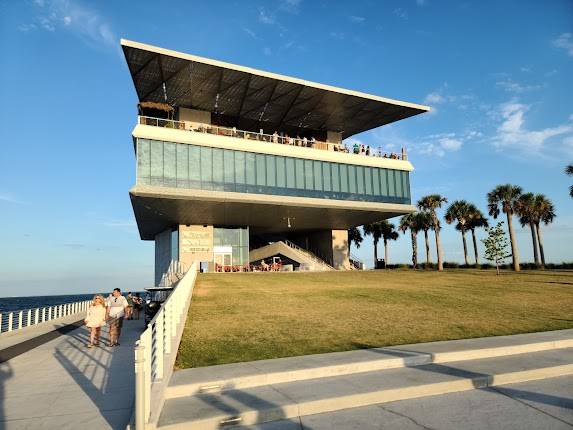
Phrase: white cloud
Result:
[267,51]
[440,144]
[512,86]
[420,2]
[401,13]
[450,144]
[265,17]
[357,19]
[74,17]
[512,133]
[291,6]
[434,99]
[9,198]
[250,33]
[565,41]
[337,35]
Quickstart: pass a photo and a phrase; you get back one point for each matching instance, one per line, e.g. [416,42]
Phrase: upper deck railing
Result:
[270,138]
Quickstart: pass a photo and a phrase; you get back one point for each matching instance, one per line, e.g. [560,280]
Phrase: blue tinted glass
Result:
[368,180]
[343,178]
[317,168]
[376,181]
[360,179]
[206,165]
[326,176]
[281,172]
[229,166]
[143,159]
[271,171]
[335,174]
[182,165]
[217,165]
[308,176]
[290,173]
[352,179]
[299,167]
[250,168]
[261,169]
[239,167]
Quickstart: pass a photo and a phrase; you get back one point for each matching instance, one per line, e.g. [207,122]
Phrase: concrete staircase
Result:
[271,390]
[305,258]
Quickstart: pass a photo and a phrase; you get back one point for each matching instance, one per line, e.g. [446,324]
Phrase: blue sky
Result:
[497,73]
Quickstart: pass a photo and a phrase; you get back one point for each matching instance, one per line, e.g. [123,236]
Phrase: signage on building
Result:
[196,243]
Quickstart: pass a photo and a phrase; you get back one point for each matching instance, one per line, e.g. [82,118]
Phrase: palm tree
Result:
[460,211]
[476,220]
[374,230]
[527,211]
[505,198]
[425,223]
[354,235]
[569,171]
[412,222]
[430,204]
[545,212]
[388,233]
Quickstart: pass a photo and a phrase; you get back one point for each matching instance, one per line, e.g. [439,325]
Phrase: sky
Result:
[497,75]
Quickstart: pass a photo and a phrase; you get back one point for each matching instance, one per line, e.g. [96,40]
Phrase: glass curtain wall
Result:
[237,238]
[180,165]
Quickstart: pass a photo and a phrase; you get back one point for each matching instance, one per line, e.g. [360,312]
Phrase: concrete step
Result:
[264,372]
[274,402]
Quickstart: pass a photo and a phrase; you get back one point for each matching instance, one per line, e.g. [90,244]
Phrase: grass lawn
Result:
[251,316]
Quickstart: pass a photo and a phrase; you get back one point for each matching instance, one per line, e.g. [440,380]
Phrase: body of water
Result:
[11,304]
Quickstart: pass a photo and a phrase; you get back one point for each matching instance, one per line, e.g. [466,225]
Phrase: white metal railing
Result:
[156,349]
[174,273]
[11,321]
[270,138]
[356,262]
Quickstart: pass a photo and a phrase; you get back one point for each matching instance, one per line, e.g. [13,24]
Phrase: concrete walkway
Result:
[62,384]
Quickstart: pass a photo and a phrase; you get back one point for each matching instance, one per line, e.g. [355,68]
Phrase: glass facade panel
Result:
[143,161]
[335,176]
[326,176]
[250,168]
[271,171]
[237,239]
[352,179]
[182,166]
[281,172]
[368,180]
[228,167]
[261,169]
[343,178]
[171,164]
[239,167]
[290,173]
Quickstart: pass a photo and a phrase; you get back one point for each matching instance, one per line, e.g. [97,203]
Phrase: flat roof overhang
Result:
[254,98]
[159,208]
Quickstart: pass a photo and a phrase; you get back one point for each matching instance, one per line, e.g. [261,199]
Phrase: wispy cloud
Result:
[74,17]
[266,17]
[9,198]
[251,33]
[440,144]
[565,41]
[267,51]
[400,13]
[511,86]
[291,6]
[74,245]
[512,133]
[357,19]
[420,2]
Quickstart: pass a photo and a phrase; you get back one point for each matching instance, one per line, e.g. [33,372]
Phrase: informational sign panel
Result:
[195,243]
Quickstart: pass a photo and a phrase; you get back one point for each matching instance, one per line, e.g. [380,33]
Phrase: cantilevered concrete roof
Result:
[253,98]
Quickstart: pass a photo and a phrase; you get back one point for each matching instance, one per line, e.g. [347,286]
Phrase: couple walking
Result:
[110,312]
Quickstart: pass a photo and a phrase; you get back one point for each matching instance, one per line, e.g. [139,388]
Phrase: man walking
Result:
[116,308]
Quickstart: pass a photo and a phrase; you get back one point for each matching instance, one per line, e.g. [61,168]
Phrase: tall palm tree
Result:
[477,220]
[545,214]
[569,171]
[354,235]
[460,211]
[430,204]
[505,198]
[426,224]
[374,230]
[527,211]
[388,233]
[411,222]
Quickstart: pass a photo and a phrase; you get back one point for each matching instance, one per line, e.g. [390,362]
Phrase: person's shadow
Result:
[6,373]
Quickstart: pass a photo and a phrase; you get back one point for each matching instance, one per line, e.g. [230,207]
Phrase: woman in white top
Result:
[95,319]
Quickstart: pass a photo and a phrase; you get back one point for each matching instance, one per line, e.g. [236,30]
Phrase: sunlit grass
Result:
[252,316]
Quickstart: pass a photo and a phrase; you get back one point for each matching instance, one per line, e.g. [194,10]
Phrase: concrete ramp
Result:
[306,259]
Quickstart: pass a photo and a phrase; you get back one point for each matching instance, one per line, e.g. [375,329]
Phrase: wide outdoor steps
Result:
[270,390]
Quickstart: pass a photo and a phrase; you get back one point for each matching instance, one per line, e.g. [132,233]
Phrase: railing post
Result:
[29,318]
[140,386]
[20,317]
[36,315]
[10,320]
[0,323]
[43,314]
[164,331]
[159,348]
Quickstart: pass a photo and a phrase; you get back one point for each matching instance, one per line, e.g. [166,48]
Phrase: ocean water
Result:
[11,304]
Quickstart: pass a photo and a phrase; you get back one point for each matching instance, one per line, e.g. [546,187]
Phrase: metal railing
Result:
[174,273]
[356,262]
[156,350]
[269,138]
[11,321]
[307,253]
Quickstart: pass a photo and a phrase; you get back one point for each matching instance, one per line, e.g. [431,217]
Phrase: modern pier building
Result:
[236,164]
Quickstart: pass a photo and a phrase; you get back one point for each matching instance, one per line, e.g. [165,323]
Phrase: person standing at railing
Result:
[95,319]
[116,307]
